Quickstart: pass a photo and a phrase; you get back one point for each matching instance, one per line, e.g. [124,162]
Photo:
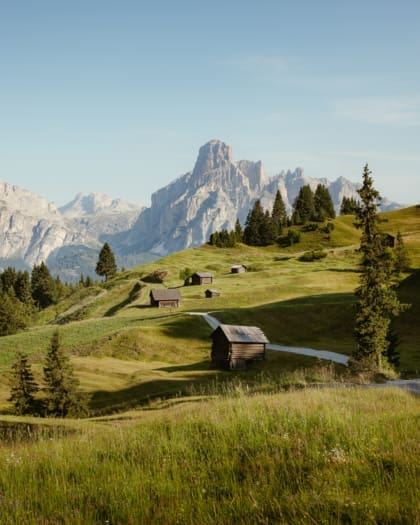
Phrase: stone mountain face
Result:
[33,230]
[211,197]
[182,214]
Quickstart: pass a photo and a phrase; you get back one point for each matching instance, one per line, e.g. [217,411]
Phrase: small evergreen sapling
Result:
[23,386]
[62,396]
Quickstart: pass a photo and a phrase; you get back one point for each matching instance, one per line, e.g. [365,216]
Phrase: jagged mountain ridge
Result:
[212,196]
[34,230]
[182,214]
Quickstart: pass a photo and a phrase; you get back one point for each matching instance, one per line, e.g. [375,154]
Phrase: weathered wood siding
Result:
[168,304]
[254,351]
[235,355]
[196,279]
[164,304]
[240,269]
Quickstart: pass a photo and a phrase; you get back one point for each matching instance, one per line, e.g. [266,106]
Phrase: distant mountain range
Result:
[182,214]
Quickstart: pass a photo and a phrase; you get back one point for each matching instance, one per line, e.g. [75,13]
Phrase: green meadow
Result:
[170,439]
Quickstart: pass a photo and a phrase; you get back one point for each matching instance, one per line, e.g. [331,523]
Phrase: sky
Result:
[118,96]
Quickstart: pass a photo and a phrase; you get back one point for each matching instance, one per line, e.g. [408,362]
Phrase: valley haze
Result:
[182,214]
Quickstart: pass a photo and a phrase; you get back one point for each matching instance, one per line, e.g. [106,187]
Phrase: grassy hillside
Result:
[316,456]
[172,440]
[126,352]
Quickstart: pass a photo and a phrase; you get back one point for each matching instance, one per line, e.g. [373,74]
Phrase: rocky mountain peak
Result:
[214,154]
[96,203]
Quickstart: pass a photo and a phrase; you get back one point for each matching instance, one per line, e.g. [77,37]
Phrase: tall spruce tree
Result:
[106,265]
[62,397]
[238,231]
[43,286]
[254,221]
[278,214]
[323,204]
[23,387]
[303,206]
[349,206]
[377,298]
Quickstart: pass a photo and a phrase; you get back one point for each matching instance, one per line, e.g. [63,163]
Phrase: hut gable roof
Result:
[203,274]
[242,334]
[163,294]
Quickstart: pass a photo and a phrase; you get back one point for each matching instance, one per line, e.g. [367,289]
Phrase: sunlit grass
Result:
[301,457]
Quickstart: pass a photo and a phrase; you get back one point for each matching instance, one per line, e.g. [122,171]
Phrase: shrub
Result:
[313,255]
[310,227]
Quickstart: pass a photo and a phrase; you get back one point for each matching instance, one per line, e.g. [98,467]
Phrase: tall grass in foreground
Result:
[326,456]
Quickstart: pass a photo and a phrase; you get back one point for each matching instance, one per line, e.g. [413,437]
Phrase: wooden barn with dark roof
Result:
[201,278]
[233,346]
[164,298]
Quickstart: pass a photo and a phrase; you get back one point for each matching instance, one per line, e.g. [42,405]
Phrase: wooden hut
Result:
[234,346]
[238,268]
[211,293]
[201,278]
[163,298]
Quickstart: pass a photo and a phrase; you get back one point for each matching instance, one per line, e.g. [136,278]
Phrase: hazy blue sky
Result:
[118,96]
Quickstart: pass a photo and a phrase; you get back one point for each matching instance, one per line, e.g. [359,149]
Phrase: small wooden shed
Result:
[211,293]
[201,278]
[164,298]
[238,268]
[233,346]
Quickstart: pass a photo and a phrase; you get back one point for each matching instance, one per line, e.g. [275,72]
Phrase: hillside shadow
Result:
[106,402]
[343,270]
[19,431]
[133,295]
[201,365]
[187,327]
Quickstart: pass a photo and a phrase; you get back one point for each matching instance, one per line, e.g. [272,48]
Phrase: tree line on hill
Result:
[264,227]
[22,294]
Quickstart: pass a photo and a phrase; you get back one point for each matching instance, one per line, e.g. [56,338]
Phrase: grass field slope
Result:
[170,439]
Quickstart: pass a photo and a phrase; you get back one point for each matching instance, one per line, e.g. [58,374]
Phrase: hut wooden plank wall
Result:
[238,268]
[233,346]
[163,298]
[201,278]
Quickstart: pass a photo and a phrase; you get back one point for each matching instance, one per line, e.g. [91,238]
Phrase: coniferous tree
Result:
[8,279]
[267,232]
[106,265]
[43,286]
[23,386]
[13,314]
[62,397]
[238,231]
[401,258]
[377,299]
[278,214]
[23,289]
[303,206]
[349,206]
[323,204]
[254,221]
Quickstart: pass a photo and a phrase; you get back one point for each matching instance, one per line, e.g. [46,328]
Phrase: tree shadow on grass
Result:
[133,295]
[18,431]
[201,365]
[105,402]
